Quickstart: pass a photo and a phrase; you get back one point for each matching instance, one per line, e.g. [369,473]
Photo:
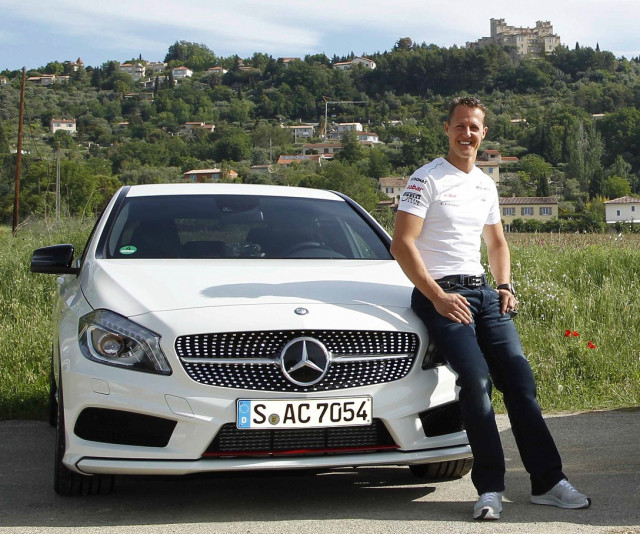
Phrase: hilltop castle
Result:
[532,42]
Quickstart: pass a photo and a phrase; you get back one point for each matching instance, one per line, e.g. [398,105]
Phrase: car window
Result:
[241,226]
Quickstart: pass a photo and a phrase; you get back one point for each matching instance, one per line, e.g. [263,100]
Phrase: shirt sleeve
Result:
[415,198]
[493,216]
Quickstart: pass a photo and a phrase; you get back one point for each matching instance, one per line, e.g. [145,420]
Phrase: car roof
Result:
[229,189]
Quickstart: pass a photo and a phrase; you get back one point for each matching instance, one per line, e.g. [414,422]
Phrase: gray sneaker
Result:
[562,495]
[489,506]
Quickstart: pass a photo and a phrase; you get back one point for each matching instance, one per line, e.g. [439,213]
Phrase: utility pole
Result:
[326,107]
[57,181]
[16,203]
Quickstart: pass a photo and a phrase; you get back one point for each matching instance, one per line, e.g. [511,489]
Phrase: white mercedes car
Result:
[229,327]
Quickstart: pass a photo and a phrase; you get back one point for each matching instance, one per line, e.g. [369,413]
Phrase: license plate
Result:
[303,413]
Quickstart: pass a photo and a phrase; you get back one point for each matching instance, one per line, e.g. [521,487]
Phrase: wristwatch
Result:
[508,287]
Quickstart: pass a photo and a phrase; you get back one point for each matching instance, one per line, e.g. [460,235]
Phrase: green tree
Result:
[346,178]
[232,144]
[620,167]
[4,142]
[378,164]
[616,187]
[197,57]
[351,148]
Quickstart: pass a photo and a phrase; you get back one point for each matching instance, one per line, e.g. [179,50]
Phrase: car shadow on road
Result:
[600,452]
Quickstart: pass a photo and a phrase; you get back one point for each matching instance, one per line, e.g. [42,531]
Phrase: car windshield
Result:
[240,226]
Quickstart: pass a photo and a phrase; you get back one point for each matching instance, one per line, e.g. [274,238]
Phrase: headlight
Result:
[108,338]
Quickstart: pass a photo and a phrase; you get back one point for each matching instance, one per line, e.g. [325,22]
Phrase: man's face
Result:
[465,131]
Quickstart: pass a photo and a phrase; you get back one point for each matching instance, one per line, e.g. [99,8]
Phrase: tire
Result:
[53,400]
[442,470]
[66,482]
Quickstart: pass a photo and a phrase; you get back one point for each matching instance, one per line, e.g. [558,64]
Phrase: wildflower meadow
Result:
[579,317]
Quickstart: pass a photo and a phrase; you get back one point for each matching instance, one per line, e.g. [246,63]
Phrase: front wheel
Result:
[440,471]
[67,482]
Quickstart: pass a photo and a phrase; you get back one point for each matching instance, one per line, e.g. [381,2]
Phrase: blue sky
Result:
[34,32]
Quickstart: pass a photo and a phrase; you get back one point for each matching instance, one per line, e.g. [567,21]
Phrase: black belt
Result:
[467,280]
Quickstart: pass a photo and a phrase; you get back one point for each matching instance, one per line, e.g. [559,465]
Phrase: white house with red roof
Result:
[180,73]
[623,209]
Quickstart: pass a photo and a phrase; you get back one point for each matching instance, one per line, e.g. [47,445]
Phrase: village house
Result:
[327,149]
[45,79]
[364,61]
[155,67]
[135,70]
[342,127]
[66,125]
[347,65]
[367,137]
[623,209]
[3,80]
[76,65]
[525,208]
[189,128]
[490,168]
[342,65]
[180,73]
[393,186]
[286,160]
[286,61]
[209,175]
[217,70]
[261,169]
[490,162]
[301,130]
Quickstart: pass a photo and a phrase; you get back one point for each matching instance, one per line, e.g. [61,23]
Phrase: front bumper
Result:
[123,466]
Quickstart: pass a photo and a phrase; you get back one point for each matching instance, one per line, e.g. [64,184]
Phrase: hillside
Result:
[572,118]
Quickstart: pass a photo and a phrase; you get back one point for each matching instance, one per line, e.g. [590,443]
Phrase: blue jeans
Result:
[481,353]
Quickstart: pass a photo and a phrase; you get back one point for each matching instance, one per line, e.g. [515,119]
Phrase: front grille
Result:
[269,344]
[231,441]
[251,359]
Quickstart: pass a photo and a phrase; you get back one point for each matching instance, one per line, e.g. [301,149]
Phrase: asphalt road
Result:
[601,453]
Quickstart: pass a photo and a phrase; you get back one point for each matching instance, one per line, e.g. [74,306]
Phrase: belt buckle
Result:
[474,281]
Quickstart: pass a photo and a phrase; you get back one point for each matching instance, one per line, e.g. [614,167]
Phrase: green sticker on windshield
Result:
[129,249]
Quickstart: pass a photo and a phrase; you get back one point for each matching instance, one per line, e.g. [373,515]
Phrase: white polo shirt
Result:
[455,207]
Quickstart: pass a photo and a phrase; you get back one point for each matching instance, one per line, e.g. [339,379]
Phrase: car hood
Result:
[142,286]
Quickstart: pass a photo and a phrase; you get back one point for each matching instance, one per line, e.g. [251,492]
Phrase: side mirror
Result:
[55,259]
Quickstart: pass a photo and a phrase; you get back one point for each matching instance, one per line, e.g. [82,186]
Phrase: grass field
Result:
[581,284]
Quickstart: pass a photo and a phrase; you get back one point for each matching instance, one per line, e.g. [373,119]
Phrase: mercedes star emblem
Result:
[304,361]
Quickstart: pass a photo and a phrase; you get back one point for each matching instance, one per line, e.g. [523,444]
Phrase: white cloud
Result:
[294,27]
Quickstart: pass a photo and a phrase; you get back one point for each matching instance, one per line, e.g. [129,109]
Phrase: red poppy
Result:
[591,345]
[569,333]
[575,334]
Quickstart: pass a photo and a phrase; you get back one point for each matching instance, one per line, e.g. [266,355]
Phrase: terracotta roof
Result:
[393,181]
[527,200]
[322,145]
[624,200]
[288,159]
